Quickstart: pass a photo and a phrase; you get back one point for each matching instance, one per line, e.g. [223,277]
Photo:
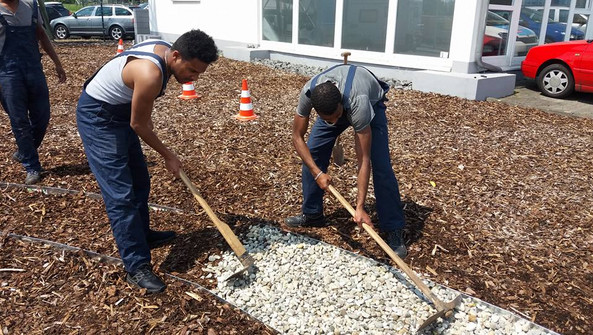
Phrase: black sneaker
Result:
[157,239]
[396,242]
[33,177]
[143,277]
[306,220]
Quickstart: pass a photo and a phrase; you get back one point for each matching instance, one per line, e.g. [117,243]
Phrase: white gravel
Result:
[304,286]
[311,71]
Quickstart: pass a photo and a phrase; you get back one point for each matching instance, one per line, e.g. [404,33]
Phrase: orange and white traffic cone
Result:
[189,92]
[120,47]
[246,107]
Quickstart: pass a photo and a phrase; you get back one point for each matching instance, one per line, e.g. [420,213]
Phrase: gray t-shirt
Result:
[365,93]
[22,17]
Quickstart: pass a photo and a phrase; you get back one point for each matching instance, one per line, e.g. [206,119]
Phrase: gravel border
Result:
[305,286]
[310,71]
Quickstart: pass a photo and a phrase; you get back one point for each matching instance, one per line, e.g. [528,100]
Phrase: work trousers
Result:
[321,141]
[25,98]
[115,157]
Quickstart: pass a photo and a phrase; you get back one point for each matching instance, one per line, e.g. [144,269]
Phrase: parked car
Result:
[496,35]
[561,68]
[58,6]
[555,31]
[560,14]
[143,5]
[115,21]
[55,10]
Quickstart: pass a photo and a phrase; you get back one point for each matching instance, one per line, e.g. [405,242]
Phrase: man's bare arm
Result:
[51,52]
[299,129]
[362,144]
[145,78]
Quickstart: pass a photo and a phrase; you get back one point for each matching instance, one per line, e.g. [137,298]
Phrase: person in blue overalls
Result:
[344,96]
[113,112]
[23,89]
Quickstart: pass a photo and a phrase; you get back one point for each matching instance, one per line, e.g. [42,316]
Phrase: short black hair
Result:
[325,98]
[196,44]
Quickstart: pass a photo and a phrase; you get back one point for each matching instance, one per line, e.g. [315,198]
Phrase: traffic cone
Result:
[120,47]
[245,108]
[189,92]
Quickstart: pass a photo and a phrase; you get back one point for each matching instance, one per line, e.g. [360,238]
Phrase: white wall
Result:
[236,26]
[229,20]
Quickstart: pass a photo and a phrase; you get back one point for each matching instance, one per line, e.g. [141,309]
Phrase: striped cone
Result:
[120,47]
[245,108]
[188,92]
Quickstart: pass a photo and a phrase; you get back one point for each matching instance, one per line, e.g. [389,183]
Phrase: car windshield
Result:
[535,15]
[493,19]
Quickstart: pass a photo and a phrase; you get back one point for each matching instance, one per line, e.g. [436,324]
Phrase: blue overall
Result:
[23,89]
[115,156]
[320,143]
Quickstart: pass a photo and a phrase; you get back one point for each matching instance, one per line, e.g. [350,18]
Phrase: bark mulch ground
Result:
[498,203]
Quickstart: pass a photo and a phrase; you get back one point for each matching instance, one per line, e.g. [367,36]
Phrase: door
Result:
[505,42]
[584,68]
[99,22]
[79,24]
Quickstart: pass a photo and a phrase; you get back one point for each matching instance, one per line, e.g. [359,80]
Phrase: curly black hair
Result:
[196,44]
[325,98]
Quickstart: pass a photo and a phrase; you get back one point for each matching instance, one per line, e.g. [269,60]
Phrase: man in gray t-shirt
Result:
[344,96]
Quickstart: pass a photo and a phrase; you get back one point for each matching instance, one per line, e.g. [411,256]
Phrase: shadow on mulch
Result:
[70,170]
[189,249]
[415,215]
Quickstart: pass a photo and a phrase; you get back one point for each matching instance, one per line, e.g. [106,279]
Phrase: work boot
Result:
[17,157]
[157,239]
[396,242]
[33,177]
[143,277]
[306,220]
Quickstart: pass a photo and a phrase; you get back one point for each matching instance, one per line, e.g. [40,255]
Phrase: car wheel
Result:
[556,81]
[116,32]
[61,32]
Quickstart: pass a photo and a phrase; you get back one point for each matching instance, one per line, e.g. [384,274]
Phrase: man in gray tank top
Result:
[344,96]
[113,112]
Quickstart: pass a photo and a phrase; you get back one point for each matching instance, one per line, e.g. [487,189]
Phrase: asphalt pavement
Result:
[528,95]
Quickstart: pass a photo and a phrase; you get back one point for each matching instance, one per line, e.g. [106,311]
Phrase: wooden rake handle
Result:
[402,265]
[224,229]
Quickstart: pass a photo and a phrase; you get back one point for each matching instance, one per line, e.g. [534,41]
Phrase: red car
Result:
[561,68]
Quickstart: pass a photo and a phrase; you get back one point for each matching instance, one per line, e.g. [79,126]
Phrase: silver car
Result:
[115,21]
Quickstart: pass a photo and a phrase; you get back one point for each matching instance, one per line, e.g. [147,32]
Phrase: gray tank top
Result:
[108,85]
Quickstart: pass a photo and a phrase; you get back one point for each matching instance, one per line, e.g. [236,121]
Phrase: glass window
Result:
[85,12]
[423,27]
[561,3]
[563,17]
[277,20]
[580,23]
[317,20]
[122,11]
[582,4]
[364,24]
[501,2]
[104,11]
[496,33]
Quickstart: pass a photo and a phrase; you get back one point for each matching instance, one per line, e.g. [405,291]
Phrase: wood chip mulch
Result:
[498,203]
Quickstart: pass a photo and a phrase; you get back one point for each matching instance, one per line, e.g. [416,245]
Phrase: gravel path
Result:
[310,71]
[304,286]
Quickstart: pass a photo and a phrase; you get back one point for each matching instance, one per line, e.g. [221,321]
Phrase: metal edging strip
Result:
[113,260]
[394,270]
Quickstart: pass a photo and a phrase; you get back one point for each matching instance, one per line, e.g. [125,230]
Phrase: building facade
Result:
[456,47]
